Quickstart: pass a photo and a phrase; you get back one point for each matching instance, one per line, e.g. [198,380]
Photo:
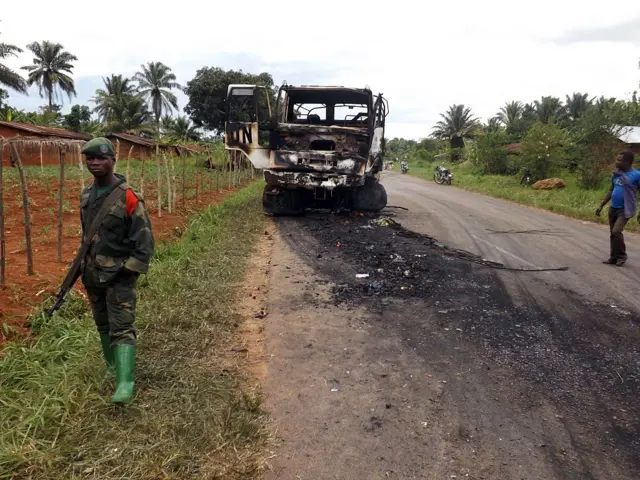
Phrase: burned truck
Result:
[319,146]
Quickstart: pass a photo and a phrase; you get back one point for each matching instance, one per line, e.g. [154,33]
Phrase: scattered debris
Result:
[362,275]
[384,222]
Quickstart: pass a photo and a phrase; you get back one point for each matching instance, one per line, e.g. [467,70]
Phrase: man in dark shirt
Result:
[120,251]
[623,193]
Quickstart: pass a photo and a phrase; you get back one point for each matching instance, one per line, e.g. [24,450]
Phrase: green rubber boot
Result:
[107,351]
[124,356]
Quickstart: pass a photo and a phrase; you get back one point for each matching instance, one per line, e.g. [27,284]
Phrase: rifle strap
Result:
[109,202]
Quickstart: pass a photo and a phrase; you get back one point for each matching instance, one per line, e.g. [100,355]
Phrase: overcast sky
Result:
[424,56]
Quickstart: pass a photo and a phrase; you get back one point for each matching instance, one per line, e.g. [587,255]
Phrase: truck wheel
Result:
[278,201]
[370,198]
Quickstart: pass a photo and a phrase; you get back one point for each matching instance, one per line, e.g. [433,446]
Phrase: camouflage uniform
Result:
[125,239]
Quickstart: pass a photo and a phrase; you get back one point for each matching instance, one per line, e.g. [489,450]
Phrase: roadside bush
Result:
[596,146]
[491,155]
[544,149]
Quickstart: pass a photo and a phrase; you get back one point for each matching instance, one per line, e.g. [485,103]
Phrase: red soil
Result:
[22,293]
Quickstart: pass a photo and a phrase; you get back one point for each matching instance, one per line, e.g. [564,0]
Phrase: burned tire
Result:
[370,198]
[278,201]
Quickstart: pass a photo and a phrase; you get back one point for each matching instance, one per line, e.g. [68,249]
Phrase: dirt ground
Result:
[432,368]
[24,292]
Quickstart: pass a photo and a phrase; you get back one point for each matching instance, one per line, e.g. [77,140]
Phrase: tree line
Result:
[143,104]
[579,134]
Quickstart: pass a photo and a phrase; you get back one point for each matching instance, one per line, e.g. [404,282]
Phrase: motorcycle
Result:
[442,175]
[526,177]
[404,168]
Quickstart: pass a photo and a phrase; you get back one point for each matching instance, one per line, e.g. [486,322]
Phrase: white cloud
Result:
[422,56]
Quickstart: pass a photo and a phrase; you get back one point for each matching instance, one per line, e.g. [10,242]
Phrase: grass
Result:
[571,201]
[194,415]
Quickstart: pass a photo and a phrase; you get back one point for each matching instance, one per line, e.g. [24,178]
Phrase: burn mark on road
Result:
[582,357]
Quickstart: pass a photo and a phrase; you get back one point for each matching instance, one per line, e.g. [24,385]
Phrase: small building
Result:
[39,145]
[514,148]
[132,146]
[630,137]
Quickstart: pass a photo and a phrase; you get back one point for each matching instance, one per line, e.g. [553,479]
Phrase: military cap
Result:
[99,147]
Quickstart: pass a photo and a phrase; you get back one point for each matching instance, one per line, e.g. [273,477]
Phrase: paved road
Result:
[434,367]
[472,221]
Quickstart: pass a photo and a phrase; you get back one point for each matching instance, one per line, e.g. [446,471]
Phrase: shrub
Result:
[491,155]
[544,149]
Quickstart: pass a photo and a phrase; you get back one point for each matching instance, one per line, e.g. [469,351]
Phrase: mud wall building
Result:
[630,137]
[33,154]
[132,146]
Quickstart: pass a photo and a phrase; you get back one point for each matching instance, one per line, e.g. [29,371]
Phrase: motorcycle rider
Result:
[404,166]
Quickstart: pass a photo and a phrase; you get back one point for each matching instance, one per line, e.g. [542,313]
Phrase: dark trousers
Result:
[114,309]
[617,222]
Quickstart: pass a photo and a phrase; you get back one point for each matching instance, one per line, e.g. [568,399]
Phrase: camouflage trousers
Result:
[114,309]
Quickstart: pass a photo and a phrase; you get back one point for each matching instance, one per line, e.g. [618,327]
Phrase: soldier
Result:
[119,253]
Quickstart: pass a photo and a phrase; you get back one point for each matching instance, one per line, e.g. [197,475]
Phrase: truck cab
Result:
[318,145]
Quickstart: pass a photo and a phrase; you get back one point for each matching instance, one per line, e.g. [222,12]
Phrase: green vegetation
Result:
[577,140]
[51,70]
[8,77]
[207,93]
[194,415]
[572,201]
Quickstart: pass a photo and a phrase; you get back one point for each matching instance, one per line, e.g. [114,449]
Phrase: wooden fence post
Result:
[41,158]
[117,155]
[129,164]
[81,165]
[2,241]
[61,202]
[142,177]
[166,169]
[174,186]
[183,173]
[25,207]
[159,174]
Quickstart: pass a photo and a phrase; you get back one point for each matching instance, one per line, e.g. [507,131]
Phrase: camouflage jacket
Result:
[124,239]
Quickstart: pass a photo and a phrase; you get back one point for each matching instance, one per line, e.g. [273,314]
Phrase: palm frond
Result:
[51,70]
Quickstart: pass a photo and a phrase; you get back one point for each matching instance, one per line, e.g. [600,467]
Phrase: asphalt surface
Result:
[520,236]
[395,351]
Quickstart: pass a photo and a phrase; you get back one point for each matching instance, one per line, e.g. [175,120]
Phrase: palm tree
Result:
[51,64]
[511,114]
[116,88]
[547,108]
[493,125]
[457,124]
[181,129]
[576,106]
[8,77]
[130,115]
[155,82]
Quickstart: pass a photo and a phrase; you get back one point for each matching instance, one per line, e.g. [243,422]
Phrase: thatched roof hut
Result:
[42,150]
[37,144]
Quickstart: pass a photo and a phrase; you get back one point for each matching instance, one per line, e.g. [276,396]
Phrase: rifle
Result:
[76,266]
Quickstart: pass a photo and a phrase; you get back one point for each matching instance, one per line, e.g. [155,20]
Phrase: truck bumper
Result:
[312,180]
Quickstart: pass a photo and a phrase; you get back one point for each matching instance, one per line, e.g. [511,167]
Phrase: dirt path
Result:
[432,368]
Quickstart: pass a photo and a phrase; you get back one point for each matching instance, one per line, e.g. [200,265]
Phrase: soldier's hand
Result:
[128,273]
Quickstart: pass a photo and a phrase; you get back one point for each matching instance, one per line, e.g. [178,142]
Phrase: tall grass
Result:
[194,415]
